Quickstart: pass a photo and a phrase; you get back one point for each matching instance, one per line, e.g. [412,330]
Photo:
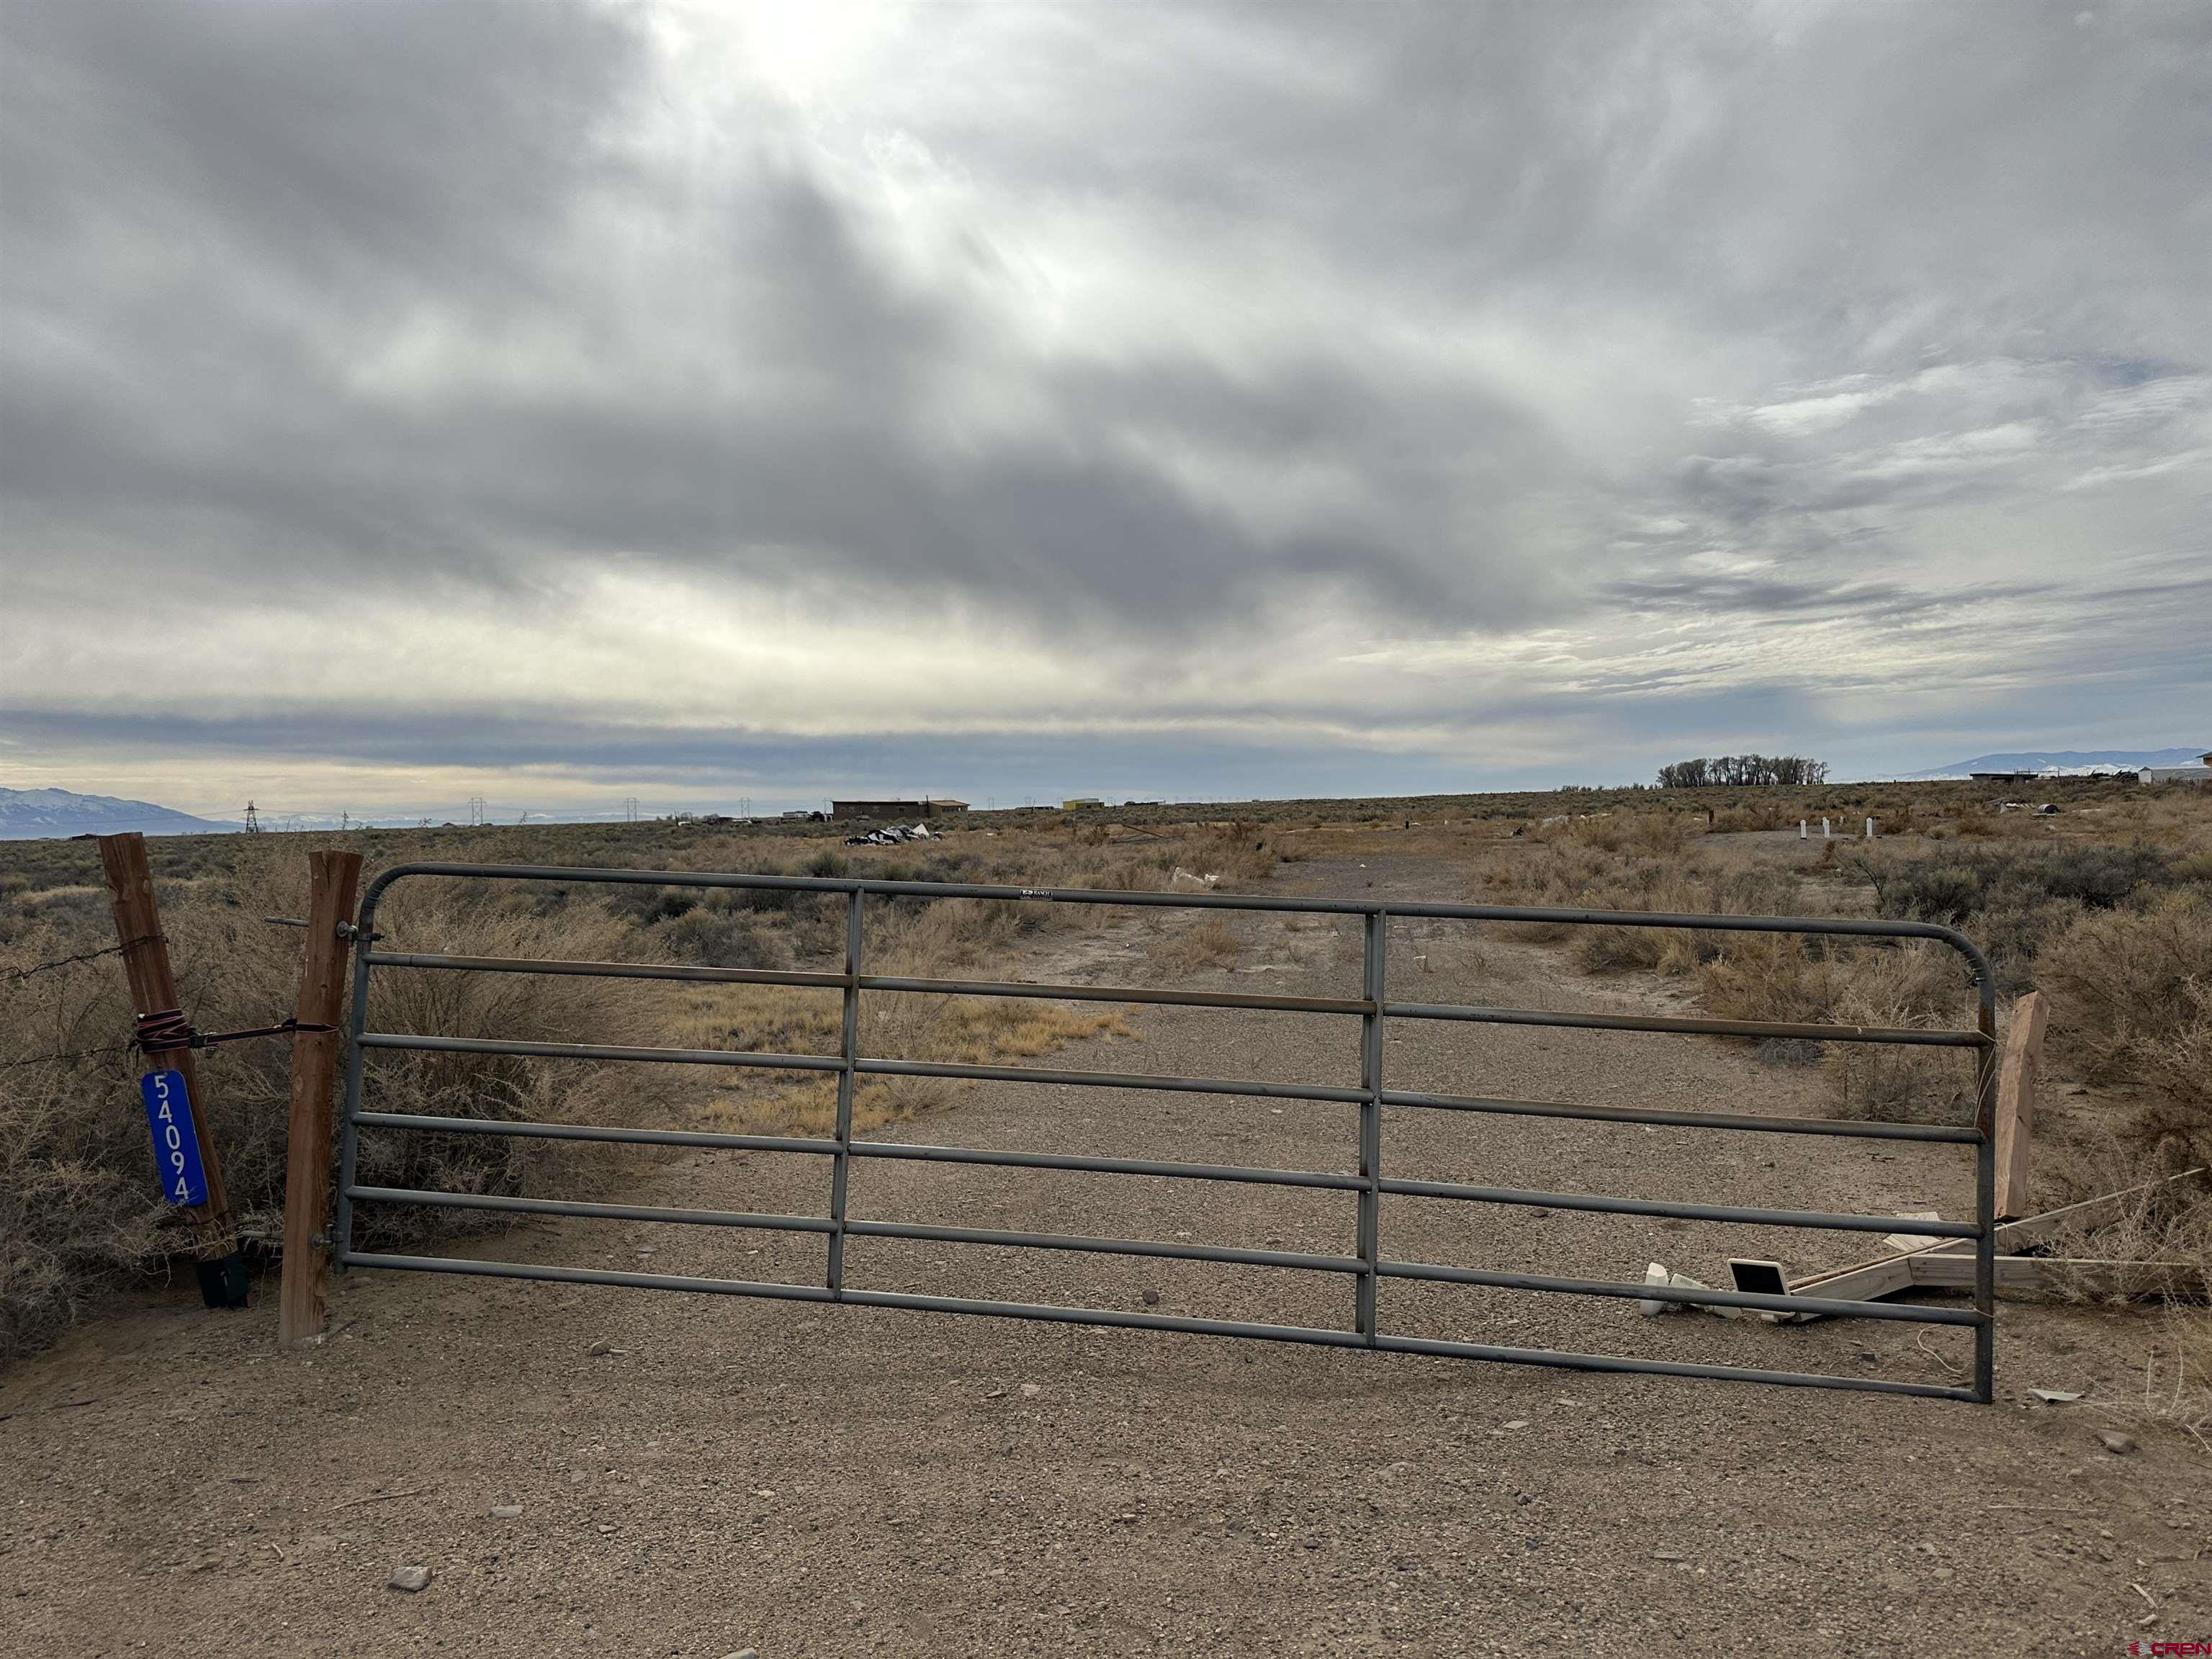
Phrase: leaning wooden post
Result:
[2023,1047]
[333,877]
[154,991]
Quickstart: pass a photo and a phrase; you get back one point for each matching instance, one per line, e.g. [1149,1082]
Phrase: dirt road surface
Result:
[589,1471]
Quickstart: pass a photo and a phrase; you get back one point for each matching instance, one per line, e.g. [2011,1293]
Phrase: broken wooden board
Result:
[2087,1276]
[1869,1281]
[1902,1242]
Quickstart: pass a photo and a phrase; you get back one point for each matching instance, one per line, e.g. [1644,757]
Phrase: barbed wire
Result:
[59,962]
[57,1060]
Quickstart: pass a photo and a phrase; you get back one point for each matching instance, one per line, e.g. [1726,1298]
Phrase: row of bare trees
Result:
[1724,770]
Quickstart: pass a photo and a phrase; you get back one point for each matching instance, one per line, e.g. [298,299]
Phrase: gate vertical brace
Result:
[364,935]
[1370,1123]
[1985,1194]
[841,1166]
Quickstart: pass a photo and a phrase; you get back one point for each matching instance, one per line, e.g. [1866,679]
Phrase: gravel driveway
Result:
[696,1475]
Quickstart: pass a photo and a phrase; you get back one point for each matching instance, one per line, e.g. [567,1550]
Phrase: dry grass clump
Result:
[2013,900]
[1819,980]
[966,1030]
[1208,943]
[1646,861]
[2177,1375]
[2132,1000]
[2167,1222]
[79,1208]
[521,1007]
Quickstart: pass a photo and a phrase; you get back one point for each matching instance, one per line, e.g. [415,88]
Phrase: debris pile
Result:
[891,835]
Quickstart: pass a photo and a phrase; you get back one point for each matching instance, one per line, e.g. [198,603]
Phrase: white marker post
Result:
[1869,834]
[1801,832]
[1826,834]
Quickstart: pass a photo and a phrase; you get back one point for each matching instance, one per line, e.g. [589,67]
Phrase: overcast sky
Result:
[559,403]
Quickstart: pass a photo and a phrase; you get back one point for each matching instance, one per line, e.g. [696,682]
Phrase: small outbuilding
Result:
[2200,773]
[901,811]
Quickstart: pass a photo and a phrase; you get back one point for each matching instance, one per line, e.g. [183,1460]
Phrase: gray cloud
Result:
[1438,382]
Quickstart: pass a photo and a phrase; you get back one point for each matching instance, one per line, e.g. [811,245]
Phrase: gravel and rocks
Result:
[948,1483]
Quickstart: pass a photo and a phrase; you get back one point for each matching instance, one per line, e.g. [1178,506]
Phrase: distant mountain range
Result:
[35,814]
[2060,762]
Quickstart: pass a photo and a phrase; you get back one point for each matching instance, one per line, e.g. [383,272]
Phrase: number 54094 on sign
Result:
[176,1143]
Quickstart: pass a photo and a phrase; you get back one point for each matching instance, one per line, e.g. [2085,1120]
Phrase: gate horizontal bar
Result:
[1136,994]
[1143,1246]
[1591,1201]
[1207,1086]
[676,970]
[1743,1028]
[788,1224]
[1697,1298]
[1845,926]
[1163,1248]
[454,1264]
[1246,1173]
[441,1045]
[1116,994]
[894,1150]
[1967,1135]
[1130,1320]
[1192,1086]
[829,981]
[1168,1250]
[534,1131]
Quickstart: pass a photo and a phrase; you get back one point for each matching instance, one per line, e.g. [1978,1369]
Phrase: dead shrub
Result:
[2012,900]
[2131,1000]
[1209,942]
[79,1210]
[1771,977]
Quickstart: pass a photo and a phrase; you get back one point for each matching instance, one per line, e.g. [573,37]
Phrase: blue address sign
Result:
[176,1144]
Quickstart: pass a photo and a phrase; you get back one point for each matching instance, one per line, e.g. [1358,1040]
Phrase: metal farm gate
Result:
[1366,1268]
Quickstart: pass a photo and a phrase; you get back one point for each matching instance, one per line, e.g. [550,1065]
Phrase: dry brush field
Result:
[572,1469]
[2106,904]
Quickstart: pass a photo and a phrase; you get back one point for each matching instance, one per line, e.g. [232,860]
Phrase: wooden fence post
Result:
[2023,1047]
[153,991]
[333,876]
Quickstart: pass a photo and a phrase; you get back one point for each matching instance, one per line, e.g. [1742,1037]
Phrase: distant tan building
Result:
[1080,800]
[895,808]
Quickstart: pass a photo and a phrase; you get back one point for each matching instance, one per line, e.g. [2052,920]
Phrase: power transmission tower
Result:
[630,806]
[252,820]
[476,811]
